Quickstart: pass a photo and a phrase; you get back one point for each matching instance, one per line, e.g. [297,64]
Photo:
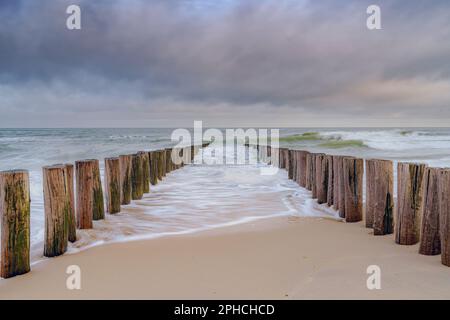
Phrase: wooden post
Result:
[314,180]
[380,196]
[193,153]
[84,171]
[15,223]
[290,159]
[282,158]
[112,185]
[125,179]
[145,171]
[286,159]
[308,171]
[341,188]
[72,215]
[336,182]
[169,163]
[353,188]
[99,205]
[430,242]
[57,210]
[444,215]
[137,178]
[161,164]
[293,163]
[301,171]
[153,158]
[321,178]
[370,199]
[410,185]
[330,192]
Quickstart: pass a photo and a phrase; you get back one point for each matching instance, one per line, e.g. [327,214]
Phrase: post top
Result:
[54,166]
[14,171]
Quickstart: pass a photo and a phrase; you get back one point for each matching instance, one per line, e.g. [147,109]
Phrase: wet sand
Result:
[277,258]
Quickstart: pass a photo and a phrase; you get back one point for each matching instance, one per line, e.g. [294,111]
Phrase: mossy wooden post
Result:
[57,210]
[125,179]
[410,178]
[112,185]
[153,158]
[380,196]
[444,215]
[145,171]
[321,178]
[166,159]
[137,178]
[336,182]
[341,187]
[169,163]
[84,171]
[353,188]
[161,164]
[430,242]
[72,215]
[330,192]
[99,204]
[290,159]
[15,223]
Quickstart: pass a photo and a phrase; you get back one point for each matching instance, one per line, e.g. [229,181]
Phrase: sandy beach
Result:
[277,258]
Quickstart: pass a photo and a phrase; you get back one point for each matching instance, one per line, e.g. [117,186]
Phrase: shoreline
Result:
[275,258]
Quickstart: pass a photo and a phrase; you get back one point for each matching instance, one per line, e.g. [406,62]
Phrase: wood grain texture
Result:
[353,188]
[301,172]
[137,177]
[430,242]
[56,209]
[125,179]
[112,185]
[84,171]
[145,171]
[290,166]
[330,182]
[321,178]
[444,215]
[380,196]
[71,190]
[336,182]
[341,186]
[15,223]
[410,180]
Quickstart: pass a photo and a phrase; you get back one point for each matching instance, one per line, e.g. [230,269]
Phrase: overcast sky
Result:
[278,63]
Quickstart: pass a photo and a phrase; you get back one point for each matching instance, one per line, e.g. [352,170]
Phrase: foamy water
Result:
[201,197]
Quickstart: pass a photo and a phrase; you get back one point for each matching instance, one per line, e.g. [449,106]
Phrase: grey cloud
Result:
[139,57]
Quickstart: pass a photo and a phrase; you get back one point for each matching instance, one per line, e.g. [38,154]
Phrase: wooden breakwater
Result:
[66,209]
[420,214]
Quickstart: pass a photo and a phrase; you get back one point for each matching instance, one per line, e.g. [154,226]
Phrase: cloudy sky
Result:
[278,63]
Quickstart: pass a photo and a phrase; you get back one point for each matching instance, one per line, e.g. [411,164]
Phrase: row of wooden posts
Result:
[421,213]
[126,178]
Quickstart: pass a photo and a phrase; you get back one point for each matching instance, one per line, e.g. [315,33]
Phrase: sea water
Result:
[200,197]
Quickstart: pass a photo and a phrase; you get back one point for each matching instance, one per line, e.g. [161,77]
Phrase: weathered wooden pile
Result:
[420,214]
[126,178]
